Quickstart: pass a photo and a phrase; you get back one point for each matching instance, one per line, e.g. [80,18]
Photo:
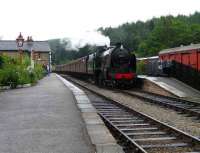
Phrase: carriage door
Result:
[198,61]
[185,66]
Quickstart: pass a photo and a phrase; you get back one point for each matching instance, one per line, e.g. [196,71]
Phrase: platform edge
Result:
[102,139]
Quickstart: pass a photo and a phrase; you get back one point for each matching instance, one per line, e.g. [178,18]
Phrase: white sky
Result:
[78,19]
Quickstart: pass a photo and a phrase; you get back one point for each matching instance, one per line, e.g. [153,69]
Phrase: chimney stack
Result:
[29,39]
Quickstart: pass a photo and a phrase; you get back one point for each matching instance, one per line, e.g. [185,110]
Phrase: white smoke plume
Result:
[89,37]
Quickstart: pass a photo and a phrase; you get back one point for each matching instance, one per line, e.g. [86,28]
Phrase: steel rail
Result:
[122,116]
[187,107]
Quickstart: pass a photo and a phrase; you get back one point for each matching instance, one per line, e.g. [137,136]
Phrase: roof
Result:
[180,49]
[10,45]
[146,58]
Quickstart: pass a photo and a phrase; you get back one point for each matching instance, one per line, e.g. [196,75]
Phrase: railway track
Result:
[184,106]
[141,133]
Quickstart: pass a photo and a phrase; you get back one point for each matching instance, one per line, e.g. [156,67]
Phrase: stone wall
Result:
[151,87]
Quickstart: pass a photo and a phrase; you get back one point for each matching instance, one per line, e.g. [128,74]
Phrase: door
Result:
[198,60]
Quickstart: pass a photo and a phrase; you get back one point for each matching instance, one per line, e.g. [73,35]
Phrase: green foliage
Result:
[168,33]
[26,61]
[1,62]
[9,76]
[148,38]
[140,67]
[63,52]
[39,71]
[13,73]
[23,75]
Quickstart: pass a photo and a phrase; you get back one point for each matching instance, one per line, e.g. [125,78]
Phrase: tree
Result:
[62,51]
[148,38]
[144,38]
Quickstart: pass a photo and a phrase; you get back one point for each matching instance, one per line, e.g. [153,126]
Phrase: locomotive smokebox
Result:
[120,55]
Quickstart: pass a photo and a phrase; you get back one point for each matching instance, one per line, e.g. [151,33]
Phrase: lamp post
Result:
[30,44]
[20,42]
[50,62]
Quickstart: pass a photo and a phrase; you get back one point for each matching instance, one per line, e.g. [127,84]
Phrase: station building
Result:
[41,51]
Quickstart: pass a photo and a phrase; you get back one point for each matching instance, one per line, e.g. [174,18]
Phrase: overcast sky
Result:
[78,19]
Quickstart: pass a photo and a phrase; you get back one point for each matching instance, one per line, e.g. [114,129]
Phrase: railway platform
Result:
[174,87]
[45,118]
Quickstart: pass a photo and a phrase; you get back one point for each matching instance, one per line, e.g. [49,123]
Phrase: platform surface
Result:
[174,86]
[42,119]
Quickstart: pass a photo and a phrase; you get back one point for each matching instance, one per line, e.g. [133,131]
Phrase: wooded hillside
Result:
[148,38]
[145,38]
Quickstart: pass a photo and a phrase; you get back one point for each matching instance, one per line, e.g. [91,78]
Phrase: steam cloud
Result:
[89,37]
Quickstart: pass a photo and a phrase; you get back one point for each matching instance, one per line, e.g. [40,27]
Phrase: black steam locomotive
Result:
[115,66]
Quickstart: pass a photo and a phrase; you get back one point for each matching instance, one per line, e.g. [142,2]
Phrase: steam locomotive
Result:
[115,66]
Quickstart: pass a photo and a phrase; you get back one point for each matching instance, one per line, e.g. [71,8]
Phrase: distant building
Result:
[40,49]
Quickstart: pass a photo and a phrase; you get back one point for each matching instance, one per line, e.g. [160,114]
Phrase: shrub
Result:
[13,73]
[39,71]
[33,77]
[9,76]
[23,75]
[1,61]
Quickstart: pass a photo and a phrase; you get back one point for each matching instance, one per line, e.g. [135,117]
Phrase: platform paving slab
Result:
[83,110]
[42,119]
[91,118]
[100,136]
[108,148]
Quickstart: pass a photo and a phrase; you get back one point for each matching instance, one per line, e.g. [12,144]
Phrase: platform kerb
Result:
[100,136]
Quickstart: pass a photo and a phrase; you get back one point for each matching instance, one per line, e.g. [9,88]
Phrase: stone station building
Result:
[41,51]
